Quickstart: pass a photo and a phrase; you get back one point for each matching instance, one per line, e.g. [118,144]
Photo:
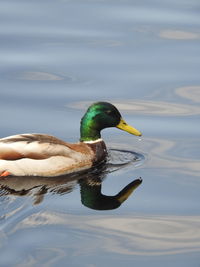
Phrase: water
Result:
[56,58]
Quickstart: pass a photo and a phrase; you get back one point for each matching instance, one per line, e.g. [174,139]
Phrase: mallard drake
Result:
[45,155]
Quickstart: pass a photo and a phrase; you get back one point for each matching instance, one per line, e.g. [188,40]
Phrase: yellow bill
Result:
[127,128]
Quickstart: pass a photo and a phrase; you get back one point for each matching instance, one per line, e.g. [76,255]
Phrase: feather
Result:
[42,155]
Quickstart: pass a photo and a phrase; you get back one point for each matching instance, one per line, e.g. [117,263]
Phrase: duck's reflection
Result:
[90,188]
[92,197]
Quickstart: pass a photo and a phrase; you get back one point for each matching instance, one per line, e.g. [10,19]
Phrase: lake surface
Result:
[57,57]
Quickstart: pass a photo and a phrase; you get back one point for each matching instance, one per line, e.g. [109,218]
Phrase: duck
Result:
[34,154]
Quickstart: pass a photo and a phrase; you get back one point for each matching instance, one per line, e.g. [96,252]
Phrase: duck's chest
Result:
[100,151]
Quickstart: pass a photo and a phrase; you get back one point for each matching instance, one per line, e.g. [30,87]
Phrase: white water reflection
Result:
[179,35]
[163,154]
[189,92]
[147,107]
[173,154]
[39,76]
[129,235]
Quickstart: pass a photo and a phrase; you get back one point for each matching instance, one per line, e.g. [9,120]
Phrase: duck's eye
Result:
[109,112]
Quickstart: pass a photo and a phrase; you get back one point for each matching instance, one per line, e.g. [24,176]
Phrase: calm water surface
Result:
[56,58]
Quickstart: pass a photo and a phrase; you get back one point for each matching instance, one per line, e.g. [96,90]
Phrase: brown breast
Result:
[100,151]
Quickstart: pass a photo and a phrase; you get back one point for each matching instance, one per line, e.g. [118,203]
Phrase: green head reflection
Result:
[92,197]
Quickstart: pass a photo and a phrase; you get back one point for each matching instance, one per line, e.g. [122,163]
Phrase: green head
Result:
[99,116]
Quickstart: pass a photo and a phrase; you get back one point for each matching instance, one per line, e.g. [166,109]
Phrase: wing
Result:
[42,155]
[36,146]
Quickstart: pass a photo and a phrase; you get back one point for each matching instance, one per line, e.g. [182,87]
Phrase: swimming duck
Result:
[45,155]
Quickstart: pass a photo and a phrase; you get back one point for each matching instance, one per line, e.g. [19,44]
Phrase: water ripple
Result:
[118,159]
[147,107]
[140,235]
[175,155]
[179,35]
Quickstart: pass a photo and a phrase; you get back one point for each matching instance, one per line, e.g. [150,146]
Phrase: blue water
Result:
[57,57]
